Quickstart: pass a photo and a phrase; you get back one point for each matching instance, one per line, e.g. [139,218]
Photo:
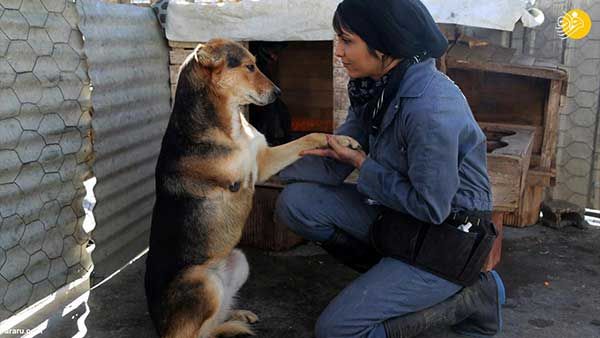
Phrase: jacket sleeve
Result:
[326,170]
[432,179]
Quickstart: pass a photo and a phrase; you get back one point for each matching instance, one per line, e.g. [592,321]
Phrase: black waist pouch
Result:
[443,249]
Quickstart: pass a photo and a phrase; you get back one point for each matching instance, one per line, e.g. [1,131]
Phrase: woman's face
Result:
[355,55]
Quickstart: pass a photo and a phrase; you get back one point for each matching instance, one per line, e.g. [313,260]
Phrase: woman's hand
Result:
[339,152]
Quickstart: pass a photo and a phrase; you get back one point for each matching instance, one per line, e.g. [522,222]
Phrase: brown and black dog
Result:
[210,159]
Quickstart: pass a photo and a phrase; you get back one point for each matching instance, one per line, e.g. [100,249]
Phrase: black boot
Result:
[350,251]
[476,309]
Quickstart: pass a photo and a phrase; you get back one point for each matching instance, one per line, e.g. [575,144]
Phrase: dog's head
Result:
[232,72]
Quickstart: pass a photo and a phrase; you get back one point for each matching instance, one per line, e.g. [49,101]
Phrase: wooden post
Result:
[551,125]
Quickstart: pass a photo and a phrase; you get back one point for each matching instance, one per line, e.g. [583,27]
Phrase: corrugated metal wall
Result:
[45,151]
[128,67]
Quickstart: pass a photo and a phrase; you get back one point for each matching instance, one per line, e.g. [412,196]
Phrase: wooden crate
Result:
[262,230]
[505,88]
[509,154]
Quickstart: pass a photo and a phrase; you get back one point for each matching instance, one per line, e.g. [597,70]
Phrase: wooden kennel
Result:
[516,99]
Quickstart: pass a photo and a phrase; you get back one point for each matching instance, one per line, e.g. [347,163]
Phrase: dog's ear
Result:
[205,57]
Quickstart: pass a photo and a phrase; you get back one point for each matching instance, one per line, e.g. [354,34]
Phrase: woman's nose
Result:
[339,50]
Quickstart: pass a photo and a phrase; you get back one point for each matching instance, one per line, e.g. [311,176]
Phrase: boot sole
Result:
[501,301]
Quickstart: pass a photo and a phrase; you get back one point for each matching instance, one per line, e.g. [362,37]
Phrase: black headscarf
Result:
[398,28]
[403,29]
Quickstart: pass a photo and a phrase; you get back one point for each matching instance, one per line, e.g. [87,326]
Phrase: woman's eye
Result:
[251,67]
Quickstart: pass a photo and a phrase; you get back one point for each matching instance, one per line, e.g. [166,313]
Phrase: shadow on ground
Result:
[552,280]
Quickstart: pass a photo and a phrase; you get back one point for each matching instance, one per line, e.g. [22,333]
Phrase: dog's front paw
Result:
[244,316]
[347,141]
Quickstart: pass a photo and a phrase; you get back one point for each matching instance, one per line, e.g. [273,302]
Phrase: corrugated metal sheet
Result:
[45,153]
[128,60]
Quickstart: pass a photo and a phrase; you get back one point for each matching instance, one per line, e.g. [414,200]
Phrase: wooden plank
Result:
[503,55]
[458,54]
[539,177]
[173,74]
[183,44]
[529,210]
[312,124]
[441,64]
[505,175]
[508,165]
[496,252]
[482,54]
[523,60]
[304,72]
[262,230]
[507,69]
[178,55]
[320,84]
[537,136]
[544,64]
[449,31]
[510,218]
[551,125]
[525,164]
[519,144]
[503,60]
[503,98]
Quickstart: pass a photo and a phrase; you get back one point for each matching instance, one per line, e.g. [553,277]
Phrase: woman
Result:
[426,158]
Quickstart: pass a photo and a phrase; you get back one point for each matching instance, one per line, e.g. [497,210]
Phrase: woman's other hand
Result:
[339,152]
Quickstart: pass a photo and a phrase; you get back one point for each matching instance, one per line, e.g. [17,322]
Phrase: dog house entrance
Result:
[304,72]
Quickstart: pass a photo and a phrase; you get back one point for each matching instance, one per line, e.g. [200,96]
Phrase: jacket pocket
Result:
[392,154]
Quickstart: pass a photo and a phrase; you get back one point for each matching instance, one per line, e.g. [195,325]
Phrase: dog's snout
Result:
[276,91]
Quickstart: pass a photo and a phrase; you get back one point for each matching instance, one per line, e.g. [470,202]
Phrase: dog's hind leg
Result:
[244,316]
[234,273]
[231,328]
[239,275]
[192,304]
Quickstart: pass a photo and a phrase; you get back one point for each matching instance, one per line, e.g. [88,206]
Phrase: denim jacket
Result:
[428,159]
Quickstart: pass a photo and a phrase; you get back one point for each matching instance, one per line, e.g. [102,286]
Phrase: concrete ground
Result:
[551,276]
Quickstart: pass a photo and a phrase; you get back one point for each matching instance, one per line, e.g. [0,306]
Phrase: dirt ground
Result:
[551,278]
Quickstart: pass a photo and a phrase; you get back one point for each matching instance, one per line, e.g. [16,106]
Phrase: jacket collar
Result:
[415,83]
[417,79]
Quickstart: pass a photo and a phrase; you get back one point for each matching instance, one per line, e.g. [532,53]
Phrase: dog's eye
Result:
[250,67]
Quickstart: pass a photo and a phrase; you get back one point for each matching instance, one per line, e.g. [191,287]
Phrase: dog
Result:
[210,159]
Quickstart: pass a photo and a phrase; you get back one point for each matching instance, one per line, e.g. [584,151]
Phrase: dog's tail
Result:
[231,328]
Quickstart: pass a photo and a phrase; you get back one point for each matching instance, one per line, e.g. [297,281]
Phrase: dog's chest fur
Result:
[250,142]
